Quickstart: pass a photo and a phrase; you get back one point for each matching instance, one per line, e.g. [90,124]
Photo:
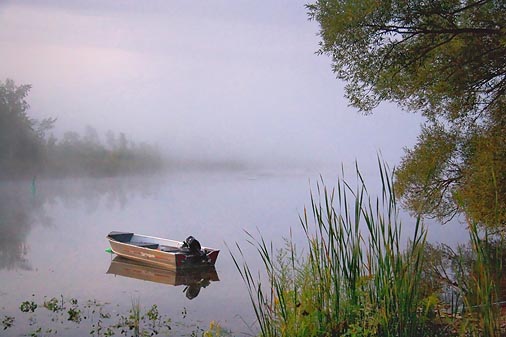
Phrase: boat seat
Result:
[170,249]
[145,245]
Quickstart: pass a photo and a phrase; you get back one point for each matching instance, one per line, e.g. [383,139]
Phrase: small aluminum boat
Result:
[162,252]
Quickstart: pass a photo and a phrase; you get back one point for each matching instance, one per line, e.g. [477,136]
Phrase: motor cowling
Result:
[193,245]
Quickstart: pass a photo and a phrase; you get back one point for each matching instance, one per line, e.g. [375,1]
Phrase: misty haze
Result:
[170,119]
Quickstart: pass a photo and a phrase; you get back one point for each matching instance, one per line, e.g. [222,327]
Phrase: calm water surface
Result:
[52,238]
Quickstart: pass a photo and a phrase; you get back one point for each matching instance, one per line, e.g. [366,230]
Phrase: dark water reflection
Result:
[17,212]
[193,279]
[52,238]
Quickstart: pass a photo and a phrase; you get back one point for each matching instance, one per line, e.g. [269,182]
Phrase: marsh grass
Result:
[360,276]
[481,298]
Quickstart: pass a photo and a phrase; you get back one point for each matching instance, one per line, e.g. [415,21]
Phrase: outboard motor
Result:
[194,247]
[192,291]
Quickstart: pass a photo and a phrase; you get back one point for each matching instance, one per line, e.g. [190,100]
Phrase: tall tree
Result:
[14,123]
[21,138]
[447,60]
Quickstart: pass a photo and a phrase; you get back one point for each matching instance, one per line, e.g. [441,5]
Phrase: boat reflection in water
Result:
[194,279]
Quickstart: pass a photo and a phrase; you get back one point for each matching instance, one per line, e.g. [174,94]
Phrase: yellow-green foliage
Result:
[483,195]
[445,60]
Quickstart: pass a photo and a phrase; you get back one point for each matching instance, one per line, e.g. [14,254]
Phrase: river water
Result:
[52,241]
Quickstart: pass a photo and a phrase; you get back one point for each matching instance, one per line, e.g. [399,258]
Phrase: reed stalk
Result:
[480,296]
[355,280]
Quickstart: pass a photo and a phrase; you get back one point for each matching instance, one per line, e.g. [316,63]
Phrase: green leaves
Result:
[427,176]
[445,60]
[433,57]
[28,306]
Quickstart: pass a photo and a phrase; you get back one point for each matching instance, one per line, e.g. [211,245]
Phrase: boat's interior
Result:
[121,236]
[163,248]
[141,241]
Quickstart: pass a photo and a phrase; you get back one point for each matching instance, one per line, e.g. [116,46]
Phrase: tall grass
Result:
[355,280]
[481,298]
[359,276]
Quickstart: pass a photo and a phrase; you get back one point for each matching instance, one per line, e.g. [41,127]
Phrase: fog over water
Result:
[220,80]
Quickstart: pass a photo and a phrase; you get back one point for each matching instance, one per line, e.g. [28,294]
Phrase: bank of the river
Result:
[357,276]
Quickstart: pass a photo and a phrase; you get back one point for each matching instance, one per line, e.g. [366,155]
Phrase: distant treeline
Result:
[28,148]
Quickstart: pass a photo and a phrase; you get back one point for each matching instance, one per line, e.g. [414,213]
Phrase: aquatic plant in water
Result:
[98,319]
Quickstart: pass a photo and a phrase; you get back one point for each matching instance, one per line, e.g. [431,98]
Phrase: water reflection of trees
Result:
[25,204]
[17,212]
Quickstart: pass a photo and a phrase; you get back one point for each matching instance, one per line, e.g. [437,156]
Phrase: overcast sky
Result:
[212,79]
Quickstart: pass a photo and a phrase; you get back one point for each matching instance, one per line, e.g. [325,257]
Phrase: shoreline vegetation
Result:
[359,276]
[28,149]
